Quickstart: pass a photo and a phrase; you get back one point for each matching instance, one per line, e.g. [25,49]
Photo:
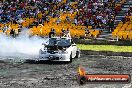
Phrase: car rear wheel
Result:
[77,54]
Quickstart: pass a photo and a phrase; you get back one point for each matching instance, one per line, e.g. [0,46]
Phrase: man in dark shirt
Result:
[52,33]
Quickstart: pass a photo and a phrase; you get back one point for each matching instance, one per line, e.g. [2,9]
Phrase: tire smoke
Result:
[21,46]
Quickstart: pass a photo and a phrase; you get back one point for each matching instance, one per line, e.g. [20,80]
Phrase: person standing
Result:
[52,33]
[63,33]
[68,35]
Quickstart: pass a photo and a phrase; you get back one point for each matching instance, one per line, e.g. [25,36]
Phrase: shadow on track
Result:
[47,62]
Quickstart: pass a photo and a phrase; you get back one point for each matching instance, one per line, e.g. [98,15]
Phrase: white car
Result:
[59,49]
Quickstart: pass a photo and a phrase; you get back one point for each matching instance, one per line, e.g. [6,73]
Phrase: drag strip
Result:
[15,73]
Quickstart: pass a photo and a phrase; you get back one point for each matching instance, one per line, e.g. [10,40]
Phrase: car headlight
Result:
[64,52]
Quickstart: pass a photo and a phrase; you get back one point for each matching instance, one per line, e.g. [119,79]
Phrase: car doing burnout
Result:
[59,49]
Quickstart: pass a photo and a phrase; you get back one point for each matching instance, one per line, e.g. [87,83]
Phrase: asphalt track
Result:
[15,73]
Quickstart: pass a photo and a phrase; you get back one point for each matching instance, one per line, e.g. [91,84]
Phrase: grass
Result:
[113,48]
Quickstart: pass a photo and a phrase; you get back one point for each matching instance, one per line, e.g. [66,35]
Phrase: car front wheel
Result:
[71,58]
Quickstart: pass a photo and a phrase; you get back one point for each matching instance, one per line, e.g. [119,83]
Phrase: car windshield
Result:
[58,44]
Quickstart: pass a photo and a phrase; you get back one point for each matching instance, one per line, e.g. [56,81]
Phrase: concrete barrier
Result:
[106,53]
[102,42]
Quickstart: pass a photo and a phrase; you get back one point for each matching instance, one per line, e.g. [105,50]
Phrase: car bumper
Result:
[54,57]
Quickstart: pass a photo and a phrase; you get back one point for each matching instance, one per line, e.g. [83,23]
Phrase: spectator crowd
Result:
[127,15]
[96,13]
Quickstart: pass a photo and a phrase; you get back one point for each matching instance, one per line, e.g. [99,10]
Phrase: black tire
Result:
[71,58]
[81,80]
[77,54]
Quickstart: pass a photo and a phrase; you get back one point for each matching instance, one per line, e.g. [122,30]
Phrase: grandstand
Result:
[84,18]
[123,22]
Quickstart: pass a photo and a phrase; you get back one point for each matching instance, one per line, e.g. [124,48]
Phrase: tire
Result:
[77,54]
[71,58]
[81,80]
